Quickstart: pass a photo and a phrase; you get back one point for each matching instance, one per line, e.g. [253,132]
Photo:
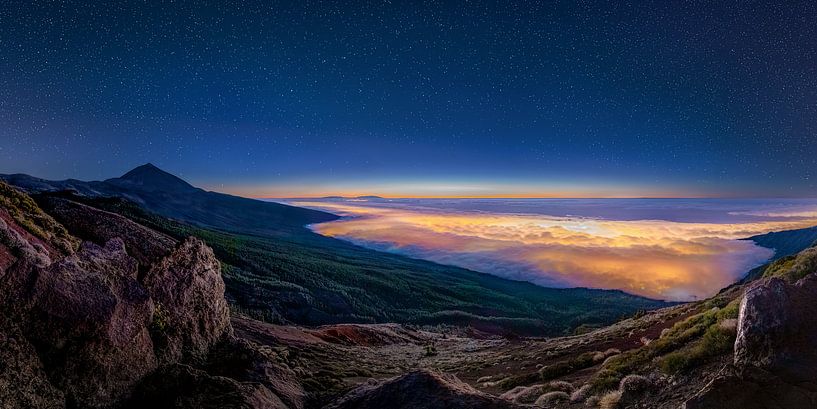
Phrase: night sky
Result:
[405,98]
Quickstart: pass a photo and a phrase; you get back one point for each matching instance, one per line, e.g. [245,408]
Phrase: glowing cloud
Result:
[658,259]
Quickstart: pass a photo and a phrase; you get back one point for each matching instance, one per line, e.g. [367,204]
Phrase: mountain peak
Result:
[151,178]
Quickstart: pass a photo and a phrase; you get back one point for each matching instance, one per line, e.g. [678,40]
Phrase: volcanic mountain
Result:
[278,270]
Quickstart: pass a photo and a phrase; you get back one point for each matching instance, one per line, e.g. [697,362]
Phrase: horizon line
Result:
[392,197]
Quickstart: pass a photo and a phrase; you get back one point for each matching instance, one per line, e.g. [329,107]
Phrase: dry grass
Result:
[552,397]
[610,400]
[561,386]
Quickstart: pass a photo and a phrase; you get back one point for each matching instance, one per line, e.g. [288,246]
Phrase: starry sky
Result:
[398,98]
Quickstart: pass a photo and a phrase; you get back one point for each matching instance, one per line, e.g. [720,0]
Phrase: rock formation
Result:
[775,356]
[128,311]
[421,389]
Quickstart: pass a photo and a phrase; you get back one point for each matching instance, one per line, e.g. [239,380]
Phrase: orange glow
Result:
[462,190]
[658,259]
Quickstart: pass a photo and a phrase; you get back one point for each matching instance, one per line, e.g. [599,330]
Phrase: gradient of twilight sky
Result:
[283,99]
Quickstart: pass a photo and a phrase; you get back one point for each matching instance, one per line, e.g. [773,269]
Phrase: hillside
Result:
[102,311]
[169,196]
[787,243]
[279,271]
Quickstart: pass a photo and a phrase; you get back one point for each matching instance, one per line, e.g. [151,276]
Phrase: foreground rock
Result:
[420,389]
[115,322]
[90,323]
[191,312]
[775,360]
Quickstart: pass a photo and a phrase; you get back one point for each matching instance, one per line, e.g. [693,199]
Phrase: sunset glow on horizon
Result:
[654,258]
[467,190]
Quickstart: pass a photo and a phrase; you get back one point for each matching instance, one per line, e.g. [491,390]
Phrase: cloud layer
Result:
[658,259]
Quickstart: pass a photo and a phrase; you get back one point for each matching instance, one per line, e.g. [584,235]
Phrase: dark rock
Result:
[421,389]
[777,329]
[23,382]
[245,361]
[775,360]
[183,387]
[89,321]
[192,313]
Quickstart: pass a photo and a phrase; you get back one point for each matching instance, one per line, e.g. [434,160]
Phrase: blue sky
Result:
[439,98]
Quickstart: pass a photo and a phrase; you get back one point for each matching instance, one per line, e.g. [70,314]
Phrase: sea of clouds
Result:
[678,250]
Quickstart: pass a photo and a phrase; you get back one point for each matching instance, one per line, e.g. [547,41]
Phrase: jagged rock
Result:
[192,313]
[89,321]
[245,361]
[183,387]
[23,382]
[421,389]
[145,245]
[90,330]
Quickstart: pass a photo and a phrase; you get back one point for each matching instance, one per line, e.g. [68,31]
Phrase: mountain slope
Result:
[169,196]
[787,243]
[277,270]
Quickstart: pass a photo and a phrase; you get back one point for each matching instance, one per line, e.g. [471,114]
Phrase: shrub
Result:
[552,397]
[592,401]
[675,362]
[158,323]
[514,393]
[610,400]
[524,379]
[562,386]
[605,379]
[579,395]
[562,368]
[430,350]
[634,384]
[718,339]
[529,394]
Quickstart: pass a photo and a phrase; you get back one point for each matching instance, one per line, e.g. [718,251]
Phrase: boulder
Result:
[191,311]
[89,322]
[775,356]
[420,389]
[777,329]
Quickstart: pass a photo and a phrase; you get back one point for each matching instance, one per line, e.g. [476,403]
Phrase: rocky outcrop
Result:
[421,389]
[89,322]
[192,313]
[777,329]
[131,310]
[775,355]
